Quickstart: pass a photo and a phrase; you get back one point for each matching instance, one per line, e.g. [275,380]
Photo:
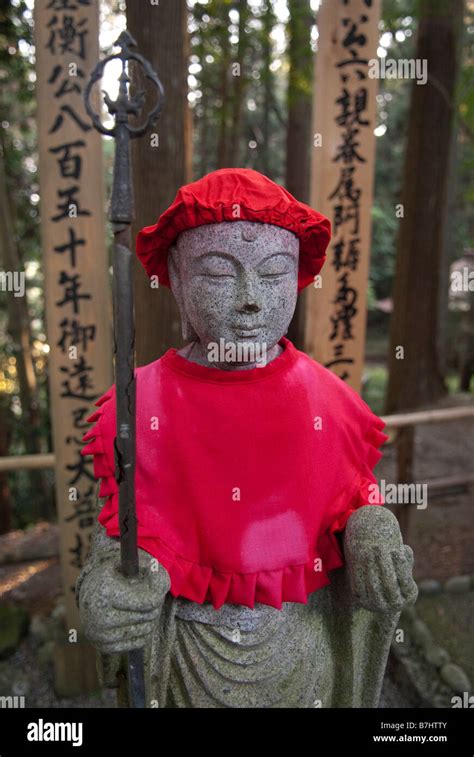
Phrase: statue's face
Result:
[236,281]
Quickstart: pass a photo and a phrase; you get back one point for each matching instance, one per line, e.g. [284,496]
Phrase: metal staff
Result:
[121,215]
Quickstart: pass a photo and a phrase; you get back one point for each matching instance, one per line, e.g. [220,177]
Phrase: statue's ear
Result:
[173,271]
[177,288]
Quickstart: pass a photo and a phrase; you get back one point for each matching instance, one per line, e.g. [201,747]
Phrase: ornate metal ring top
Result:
[123,106]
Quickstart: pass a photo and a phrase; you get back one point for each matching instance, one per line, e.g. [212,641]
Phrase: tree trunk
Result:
[162,37]
[267,83]
[448,250]
[414,365]
[298,137]
[204,141]
[19,331]
[224,131]
[239,82]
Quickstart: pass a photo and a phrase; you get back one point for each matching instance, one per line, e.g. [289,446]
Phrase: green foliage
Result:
[214,50]
[395,11]
[18,143]
[374,385]
[392,112]
[261,136]
[463,229]
[382,261]
[17,122]
[300,83]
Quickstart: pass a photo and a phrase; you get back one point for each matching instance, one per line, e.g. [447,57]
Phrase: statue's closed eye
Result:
[218,275]
[274,274]
[276,266]
[274,271]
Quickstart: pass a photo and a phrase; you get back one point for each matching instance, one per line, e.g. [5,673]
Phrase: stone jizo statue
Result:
[271,573]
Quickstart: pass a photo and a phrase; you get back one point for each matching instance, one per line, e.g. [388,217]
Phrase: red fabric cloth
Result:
[235,194]
[202,435]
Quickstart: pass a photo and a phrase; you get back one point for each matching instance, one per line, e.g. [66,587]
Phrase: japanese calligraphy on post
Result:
[342,182]
[75,262]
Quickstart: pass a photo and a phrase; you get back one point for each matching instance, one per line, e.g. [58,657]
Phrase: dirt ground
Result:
[442,535]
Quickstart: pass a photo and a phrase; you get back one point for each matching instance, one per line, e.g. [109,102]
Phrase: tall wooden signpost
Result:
[342,182]
[79,318]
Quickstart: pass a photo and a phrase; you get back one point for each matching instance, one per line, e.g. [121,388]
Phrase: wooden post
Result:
[342,182]
[405,463]
[75,264]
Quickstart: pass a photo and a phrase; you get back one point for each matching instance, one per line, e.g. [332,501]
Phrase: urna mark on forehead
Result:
[239,239]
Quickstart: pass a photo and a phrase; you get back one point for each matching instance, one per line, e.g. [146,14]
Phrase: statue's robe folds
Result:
[328,653]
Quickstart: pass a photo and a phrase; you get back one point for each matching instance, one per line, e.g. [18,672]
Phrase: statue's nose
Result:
[251,307]
[249,301]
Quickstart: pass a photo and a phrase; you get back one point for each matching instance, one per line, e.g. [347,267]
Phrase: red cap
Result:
[235,194]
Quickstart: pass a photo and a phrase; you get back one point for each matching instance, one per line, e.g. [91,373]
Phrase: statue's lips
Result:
[246,331]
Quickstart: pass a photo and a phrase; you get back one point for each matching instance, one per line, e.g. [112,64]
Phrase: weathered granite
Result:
[239,282]
[330,652]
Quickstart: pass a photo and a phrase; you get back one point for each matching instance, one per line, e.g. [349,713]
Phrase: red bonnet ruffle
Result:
[214,199]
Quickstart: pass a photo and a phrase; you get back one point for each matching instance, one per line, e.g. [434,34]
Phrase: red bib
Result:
[243,477]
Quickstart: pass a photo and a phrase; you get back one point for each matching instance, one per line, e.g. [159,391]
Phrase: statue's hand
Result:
[379,564]
[382,580]
[118,613]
